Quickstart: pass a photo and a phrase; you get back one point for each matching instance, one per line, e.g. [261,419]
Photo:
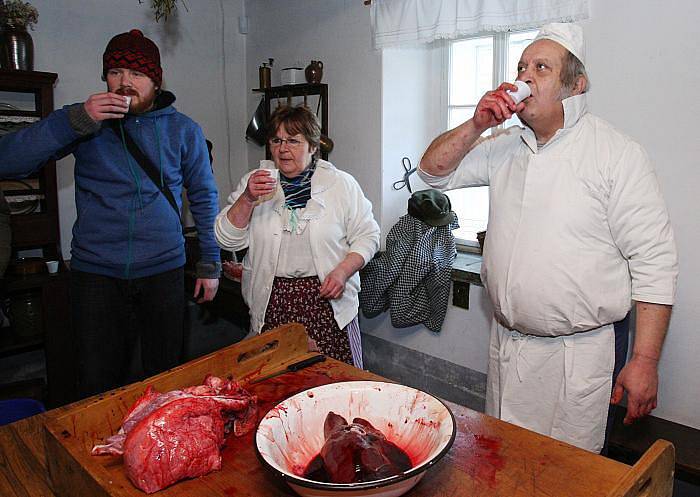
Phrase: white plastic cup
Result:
[128,101]
[274,173]
[522,93]
[269,166]
[52,266]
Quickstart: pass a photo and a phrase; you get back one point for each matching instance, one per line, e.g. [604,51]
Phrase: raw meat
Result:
[354,453]
[166,437]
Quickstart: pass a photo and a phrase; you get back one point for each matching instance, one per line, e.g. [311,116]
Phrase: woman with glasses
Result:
[307,235]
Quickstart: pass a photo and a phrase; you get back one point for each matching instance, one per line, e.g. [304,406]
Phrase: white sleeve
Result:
[362,231]
[227,235]
[475,168]
[640,225]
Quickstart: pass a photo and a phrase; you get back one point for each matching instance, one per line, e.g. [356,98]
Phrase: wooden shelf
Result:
[295,90]
[21,193]
[19,113]
[12,345]
[11,80]
[40,230]
[12,283]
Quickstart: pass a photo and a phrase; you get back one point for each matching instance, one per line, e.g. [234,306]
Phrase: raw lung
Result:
[167,437]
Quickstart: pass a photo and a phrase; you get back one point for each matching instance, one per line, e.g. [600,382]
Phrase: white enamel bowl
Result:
[291,433]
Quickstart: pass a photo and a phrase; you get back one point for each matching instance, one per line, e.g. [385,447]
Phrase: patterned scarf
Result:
[297,190]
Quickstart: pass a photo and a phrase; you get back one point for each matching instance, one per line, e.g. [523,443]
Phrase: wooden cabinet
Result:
[27,97]
[291,95]
[30,96]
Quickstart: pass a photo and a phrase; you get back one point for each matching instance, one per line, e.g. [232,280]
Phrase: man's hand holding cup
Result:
[499,105]
[107,105]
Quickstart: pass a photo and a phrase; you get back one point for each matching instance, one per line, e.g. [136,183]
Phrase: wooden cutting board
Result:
[71,435]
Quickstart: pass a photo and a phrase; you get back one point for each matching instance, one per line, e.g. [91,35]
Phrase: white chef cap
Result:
[568,35]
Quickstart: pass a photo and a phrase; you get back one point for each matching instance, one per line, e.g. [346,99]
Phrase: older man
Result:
[577,231]
[127,277]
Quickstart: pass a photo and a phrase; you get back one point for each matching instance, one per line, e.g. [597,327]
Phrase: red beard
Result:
[138,105]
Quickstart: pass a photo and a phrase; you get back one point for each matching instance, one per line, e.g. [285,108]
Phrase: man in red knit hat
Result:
[131,67]
[127,252]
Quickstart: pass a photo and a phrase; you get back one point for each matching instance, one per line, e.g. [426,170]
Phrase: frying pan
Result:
[256,127]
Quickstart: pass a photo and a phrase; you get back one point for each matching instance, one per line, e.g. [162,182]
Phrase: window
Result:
[475,66]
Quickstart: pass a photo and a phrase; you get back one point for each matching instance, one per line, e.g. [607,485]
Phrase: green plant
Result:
[17,13]
[164,8]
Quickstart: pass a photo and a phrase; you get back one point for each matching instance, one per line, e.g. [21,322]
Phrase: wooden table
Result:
[489,457]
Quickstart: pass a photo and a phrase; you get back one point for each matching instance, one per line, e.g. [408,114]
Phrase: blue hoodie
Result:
[125,226]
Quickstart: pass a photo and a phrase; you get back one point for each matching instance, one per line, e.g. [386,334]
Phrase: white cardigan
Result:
[340,221]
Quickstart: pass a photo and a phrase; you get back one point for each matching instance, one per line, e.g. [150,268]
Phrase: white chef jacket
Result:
[577,229]
[339,220]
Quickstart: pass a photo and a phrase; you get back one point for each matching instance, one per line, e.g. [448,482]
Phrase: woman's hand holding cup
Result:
[261,185]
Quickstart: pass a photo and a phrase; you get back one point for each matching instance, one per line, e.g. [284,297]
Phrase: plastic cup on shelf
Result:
[52,266]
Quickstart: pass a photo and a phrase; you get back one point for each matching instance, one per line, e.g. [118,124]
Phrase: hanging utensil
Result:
[256,128]
[405,182]
[325,143]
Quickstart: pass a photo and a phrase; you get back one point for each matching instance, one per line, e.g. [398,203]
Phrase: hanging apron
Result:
[556,386]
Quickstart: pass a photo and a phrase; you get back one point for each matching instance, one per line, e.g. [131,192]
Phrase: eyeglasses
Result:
[292,142]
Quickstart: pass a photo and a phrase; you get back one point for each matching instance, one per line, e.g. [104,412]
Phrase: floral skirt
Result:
[296,300]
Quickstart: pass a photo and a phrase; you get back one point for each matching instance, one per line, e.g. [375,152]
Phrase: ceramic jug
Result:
[314,71]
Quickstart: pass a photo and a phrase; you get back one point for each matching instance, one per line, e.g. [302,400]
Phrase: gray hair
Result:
[571,70]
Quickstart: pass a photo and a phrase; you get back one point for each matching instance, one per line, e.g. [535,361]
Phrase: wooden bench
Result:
[628,443]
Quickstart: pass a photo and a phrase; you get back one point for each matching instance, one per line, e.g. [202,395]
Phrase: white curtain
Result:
[404,22]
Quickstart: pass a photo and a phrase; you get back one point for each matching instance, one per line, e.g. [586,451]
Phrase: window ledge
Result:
[467,268]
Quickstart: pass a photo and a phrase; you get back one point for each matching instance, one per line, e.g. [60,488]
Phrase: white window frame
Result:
[500,63]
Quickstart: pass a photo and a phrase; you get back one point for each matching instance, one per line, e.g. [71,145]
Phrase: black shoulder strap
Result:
[146,164]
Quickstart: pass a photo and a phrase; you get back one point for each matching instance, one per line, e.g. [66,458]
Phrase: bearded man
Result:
[127,276]
[577,232]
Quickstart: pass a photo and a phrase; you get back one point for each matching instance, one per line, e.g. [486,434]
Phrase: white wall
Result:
[644,63]
[410,88]
[411,119]
[72,34]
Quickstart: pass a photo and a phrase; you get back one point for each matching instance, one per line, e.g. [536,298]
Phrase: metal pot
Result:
[326,144]
[17,48]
